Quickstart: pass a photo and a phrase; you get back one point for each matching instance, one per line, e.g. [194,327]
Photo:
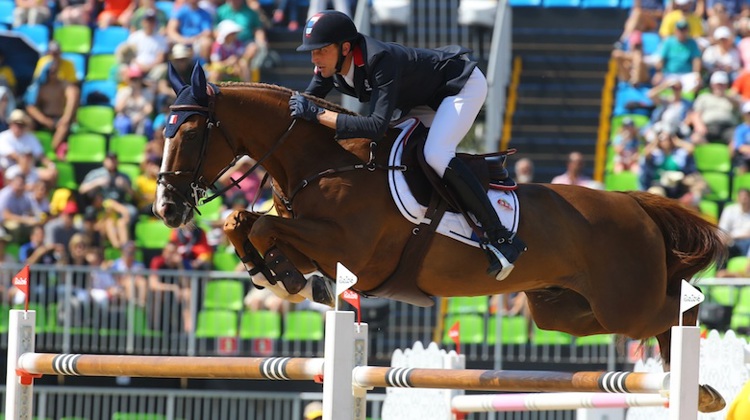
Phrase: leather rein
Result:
[199,187]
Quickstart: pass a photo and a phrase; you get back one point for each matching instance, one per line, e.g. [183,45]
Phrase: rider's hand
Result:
[301,107]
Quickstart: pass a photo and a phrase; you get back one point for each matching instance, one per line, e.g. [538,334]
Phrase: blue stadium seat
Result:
[651,41]
[107,40]
[37,34]
[626,4]
[525,3]
[6,12]
[600,4]
[106,87]
[626,94]
[166,6]
[562,3]
[79,62]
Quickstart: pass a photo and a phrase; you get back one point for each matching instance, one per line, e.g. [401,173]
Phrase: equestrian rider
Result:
[440,86]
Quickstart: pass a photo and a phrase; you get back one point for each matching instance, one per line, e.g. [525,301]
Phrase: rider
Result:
[441,86]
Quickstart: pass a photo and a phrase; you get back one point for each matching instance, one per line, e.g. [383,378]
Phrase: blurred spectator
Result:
[735,221]
[671,108]
[250,184]
[7,76]
[740,145]
[126,269]
[145,186]
[105,291]
[39,196]
[76,12]
[251,35]
[192,245]
[183,62]
[666,161]
[150,47]
[89,232]
[7,106]
[510,304]
[741,86]
[317,6]
[52,103]
[524,170]
[644,16]
[59,230]
[25,167]
[714,113]
[191,25]
[314,411]
[113,219]
[134,105]
[683,11]
[116,12]
[574,174]
[17,214]
[36,251]
[722,55]
[170,294]
[113,184]
[5,257]
[19,140]
[227,55]
[264,300]
[136,22]
[31,12]
[631,64]
[718,17]
[679,57]
[627,143]
[66,70]
[290,10]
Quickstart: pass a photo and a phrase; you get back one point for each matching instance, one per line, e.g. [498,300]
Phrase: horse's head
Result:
[187,172]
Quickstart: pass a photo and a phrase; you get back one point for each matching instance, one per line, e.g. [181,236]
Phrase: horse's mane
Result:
[322,102]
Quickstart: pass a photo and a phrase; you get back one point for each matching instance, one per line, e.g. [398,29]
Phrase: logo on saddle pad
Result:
[504,204]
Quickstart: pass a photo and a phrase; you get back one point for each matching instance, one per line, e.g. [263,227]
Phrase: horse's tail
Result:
[692,243]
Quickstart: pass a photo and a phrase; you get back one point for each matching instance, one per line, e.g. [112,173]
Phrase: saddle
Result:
[423,181]
[429,190]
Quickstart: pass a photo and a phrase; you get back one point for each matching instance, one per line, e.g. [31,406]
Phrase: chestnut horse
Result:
[597,262]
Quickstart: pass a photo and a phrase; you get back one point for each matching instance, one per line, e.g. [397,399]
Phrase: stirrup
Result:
[505,266]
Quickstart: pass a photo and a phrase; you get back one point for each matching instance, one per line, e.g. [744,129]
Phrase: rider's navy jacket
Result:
[394,79]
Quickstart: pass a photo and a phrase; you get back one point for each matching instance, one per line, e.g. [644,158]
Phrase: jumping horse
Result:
[597,262]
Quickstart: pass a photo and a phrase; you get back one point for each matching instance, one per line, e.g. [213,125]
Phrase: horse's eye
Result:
[190,135]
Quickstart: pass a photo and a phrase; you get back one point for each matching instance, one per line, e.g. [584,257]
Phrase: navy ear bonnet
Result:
[193,94]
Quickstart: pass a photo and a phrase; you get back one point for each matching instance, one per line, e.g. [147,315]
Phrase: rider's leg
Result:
[453,119]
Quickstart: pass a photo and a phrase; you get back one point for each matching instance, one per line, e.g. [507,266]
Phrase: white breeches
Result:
[452,120]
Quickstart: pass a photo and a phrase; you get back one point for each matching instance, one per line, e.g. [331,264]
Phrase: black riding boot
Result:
[501,248]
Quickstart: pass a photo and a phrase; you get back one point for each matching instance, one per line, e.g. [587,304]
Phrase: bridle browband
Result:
[198,184]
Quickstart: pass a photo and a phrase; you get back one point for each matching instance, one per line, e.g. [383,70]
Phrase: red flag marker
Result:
[352,297]
[21,281]
[455,334]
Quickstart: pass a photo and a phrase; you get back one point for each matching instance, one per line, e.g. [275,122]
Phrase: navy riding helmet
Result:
[325,28]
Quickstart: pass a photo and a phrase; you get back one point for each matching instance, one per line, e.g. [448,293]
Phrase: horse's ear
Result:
[198,83]
[174,78]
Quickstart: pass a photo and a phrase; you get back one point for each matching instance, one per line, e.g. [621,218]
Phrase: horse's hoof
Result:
[709,399]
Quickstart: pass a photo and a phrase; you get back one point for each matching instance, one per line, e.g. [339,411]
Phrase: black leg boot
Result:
[501,249]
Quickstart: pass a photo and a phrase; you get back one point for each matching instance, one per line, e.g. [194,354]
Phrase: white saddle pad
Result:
[453,225]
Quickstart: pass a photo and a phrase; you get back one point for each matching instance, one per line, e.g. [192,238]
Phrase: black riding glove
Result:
[301,107]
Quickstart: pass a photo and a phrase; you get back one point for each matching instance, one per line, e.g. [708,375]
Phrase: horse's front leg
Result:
[237,227]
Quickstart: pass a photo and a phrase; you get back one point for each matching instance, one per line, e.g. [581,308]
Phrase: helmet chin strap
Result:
[342,57]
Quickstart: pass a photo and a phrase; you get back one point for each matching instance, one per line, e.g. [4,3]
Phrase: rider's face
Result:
[325,59]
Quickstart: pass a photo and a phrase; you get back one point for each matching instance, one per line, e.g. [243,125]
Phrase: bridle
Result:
[198,185]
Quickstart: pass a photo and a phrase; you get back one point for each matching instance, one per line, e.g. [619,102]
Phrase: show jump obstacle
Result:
[346,378]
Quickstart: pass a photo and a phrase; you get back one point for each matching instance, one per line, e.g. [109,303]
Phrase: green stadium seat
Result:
[468,305]
[260,324]
[66,176]
[471,328]
[210,211]
[86,147]
[595,340]
[638,120]
[303,326]
[130,148]
[738,265]
[718,184]
[151,234]
[542,337]
[622,181]
[45,138]
[709,208]
[740,181]
[100,66]
[225,261]
[712,157]
[214,323]
[224,294]
[73,38]
[131,170]
[723,295]
[137,416]
[707,273]
[514,330]
[96,119]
